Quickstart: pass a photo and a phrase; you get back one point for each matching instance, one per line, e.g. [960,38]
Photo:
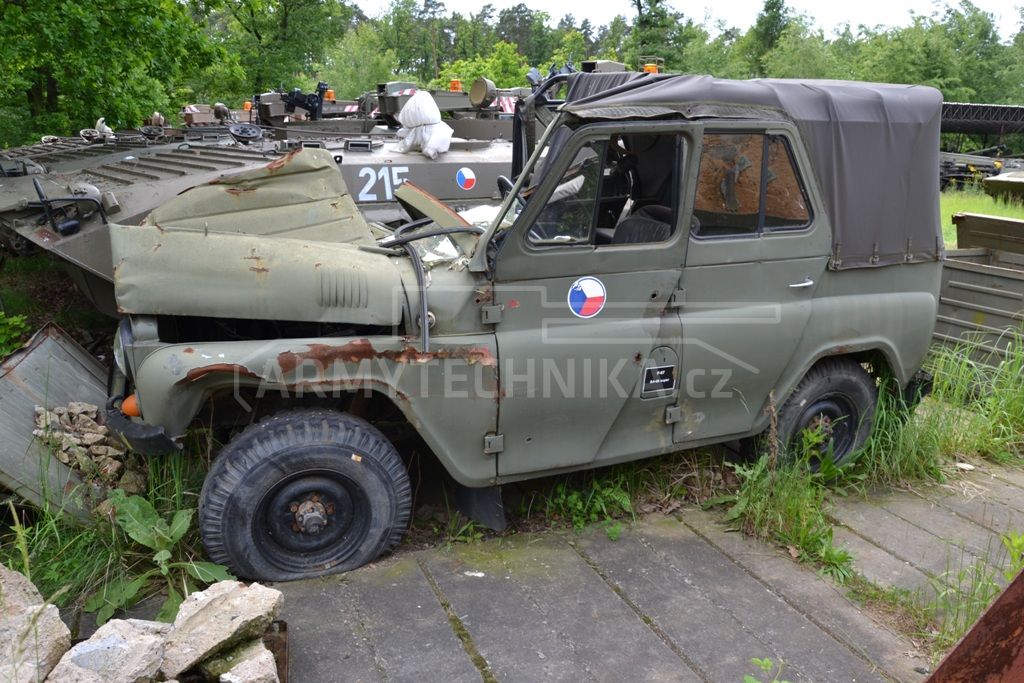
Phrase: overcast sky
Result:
[741,13]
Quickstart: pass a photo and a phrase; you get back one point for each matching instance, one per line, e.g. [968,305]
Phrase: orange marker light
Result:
[650,68]
[130,407]
[329,95]
[455,85]
[247,106]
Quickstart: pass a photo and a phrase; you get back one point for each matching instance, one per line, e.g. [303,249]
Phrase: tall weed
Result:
[784,500]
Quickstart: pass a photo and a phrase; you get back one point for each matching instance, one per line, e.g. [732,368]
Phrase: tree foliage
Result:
[358,62]
[68,62]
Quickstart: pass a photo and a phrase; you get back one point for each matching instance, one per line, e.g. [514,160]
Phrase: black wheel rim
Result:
[836,417]
[311,520]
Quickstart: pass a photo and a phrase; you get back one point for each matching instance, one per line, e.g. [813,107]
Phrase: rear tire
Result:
[304,493]
[837,396]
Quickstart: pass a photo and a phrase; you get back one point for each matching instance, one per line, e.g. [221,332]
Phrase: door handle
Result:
[808,282]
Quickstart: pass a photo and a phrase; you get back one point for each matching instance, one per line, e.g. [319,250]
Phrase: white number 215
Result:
[391,176]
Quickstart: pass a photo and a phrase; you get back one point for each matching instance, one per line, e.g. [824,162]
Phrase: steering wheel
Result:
[245,133]
[152,132]
[505,186]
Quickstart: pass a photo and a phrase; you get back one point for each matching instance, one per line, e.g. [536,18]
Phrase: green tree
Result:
[358,62]
[66,63]
[526,28]
[278,40]
[650,34]
[431,38]
[571,50]
[503,65]
[474,34]
[765,34]
[718,57]
[611,39]
[982,58]
[804,52]
[919,54]
[399,28]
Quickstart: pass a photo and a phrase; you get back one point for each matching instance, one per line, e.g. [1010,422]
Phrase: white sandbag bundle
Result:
[422,129]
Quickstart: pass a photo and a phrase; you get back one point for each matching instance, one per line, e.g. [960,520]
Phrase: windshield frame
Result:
[478,261]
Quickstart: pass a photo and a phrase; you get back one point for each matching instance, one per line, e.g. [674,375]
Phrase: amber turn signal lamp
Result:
[130,407]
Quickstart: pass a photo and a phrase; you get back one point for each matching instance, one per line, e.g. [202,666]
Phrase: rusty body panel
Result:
[455,383]
[992,651]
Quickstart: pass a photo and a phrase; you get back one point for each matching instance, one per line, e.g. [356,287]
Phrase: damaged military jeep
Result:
[677,256]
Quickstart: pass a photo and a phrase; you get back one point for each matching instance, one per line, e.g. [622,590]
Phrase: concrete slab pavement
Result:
[674,598]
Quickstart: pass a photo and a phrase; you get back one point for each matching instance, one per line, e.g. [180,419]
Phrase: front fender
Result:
[456,383]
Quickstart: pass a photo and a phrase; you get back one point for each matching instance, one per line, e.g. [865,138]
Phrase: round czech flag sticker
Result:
[586,297]
[466,178]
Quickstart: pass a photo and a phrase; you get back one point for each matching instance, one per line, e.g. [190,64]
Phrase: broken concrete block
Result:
[213,620]
[16,592]
[84,423]
[133,482]
[32,636]
[219,664]
[31,643]
[121,651]
[109,468]
[79,408]
[93,439]
[101,451]
[260,668]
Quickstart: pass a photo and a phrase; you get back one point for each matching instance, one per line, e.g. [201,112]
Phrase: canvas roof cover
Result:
[874,149]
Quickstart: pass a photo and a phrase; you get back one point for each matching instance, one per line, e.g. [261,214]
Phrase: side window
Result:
[568,214]
[728,185]
[733,199]
[785,205]
[619,190]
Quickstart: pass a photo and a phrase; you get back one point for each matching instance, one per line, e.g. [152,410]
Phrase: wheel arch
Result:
[879,354]
[177,382]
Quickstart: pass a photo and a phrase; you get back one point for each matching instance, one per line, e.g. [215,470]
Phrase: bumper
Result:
[140,437]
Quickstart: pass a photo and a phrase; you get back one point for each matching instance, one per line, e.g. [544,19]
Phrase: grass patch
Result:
[785,502]
[105,565]
[974,412]
[898,607]
[38,288]
[608,496]
[961,595]
[972,199]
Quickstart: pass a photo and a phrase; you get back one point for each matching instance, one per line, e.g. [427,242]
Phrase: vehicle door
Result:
[756,255]
[584,280]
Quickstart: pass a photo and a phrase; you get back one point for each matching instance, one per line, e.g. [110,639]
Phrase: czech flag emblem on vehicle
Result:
[466,178]
[586,297]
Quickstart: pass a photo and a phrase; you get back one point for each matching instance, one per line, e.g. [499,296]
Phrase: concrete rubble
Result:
[250,662]
[78,439]
[32,636]
[213,620]
[121,651]
[216,636]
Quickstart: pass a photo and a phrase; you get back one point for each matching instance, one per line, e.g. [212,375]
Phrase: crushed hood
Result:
[301,195]
[281,242]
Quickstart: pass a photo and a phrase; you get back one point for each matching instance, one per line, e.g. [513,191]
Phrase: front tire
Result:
[837,397]
[304,493]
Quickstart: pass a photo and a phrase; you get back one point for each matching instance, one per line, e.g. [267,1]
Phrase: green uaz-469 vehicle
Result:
[677,253]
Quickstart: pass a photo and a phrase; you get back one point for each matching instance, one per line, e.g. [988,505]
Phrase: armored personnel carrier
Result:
[60,194]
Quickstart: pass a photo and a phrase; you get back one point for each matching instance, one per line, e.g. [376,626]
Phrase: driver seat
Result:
[651,223]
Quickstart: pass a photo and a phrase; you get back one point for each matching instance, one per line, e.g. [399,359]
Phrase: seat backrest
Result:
[652,223]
